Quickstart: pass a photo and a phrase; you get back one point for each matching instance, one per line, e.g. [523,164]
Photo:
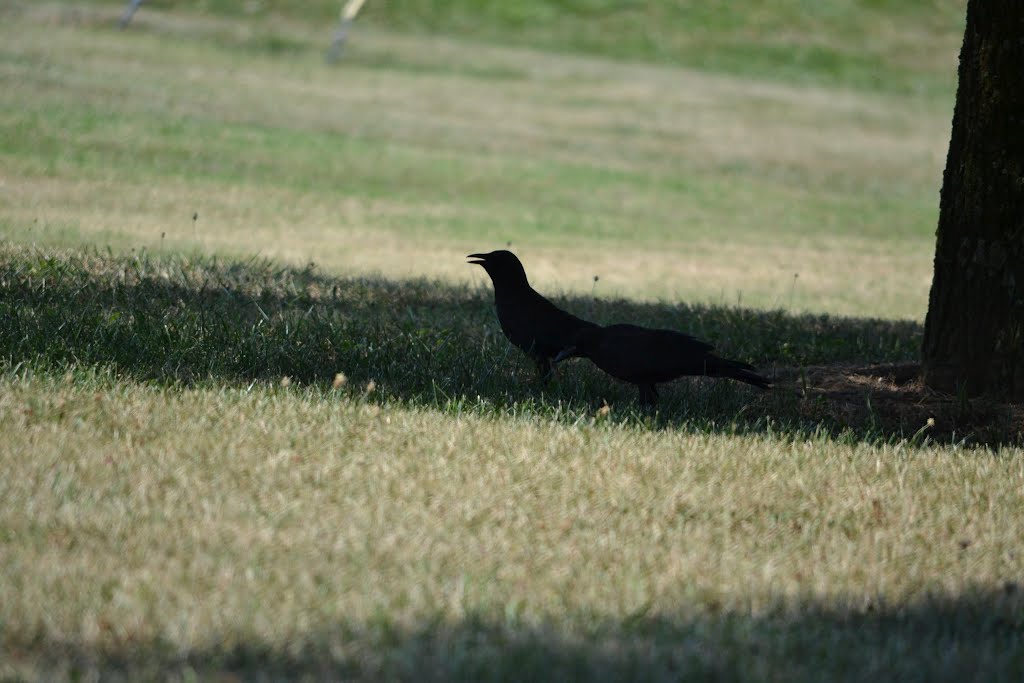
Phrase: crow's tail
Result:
[734,369]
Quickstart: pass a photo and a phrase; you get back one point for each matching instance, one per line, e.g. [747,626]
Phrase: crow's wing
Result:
[639,354]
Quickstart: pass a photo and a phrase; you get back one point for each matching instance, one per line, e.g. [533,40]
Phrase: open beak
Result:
[565,353]
[481,259]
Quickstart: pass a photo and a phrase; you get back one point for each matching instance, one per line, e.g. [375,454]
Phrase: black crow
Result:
[645,357]
[530,321]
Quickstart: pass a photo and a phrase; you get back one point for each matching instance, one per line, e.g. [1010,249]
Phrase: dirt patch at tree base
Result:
[892,399]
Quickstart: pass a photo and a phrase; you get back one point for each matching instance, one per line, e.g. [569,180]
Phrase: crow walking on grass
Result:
[645,357]
[530,321]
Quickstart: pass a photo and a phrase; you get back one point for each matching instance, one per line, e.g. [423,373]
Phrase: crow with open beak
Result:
[529,321]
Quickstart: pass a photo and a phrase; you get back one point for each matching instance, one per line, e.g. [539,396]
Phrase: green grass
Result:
[189,494]
[187,321]
[879,45]
[668,184]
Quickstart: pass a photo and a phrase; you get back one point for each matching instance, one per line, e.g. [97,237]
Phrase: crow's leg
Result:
[648,395]
[546,370]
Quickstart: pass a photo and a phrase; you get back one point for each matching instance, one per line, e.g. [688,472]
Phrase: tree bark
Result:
[974,331]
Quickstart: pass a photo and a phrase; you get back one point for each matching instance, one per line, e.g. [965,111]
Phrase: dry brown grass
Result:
[203,518]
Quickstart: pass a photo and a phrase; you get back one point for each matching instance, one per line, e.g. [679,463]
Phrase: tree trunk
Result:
[974,332]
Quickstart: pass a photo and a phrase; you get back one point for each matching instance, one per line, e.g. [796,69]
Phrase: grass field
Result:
[260,423]
[665,183]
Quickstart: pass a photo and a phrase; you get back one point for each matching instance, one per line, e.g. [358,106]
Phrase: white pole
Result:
[348,15]
[129,12]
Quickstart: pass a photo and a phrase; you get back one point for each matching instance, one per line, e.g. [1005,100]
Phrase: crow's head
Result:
[584,341]
[503,267]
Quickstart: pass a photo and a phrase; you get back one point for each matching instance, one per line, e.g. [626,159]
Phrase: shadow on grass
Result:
[183,320]
[976,636]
